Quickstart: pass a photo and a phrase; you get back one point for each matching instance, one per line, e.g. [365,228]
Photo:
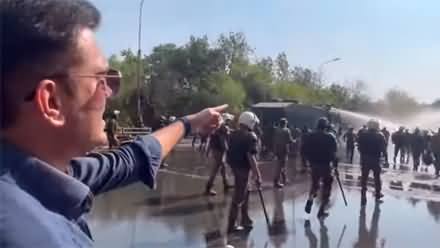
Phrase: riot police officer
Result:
[417,143]
[241,156]
[282,141]
[397,139]
[320,150]
[111,128]
[349,138]
[218,146]
[435,146]
[386,135]
[371,144]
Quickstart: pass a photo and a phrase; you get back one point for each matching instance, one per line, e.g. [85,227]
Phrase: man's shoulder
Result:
[17,200]
[26,222]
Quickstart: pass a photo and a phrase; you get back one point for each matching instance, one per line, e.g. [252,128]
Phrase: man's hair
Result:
[35,34]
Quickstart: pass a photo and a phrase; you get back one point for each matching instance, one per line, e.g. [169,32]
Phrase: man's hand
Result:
[207,120]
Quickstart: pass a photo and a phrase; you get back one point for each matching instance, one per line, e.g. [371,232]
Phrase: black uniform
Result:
[386,135]
[407,145]
[435,146]
[371,147]
[241,143]
[218,146]
[350,139]
[417,147]
[111,129]
[320,149]
[397,139]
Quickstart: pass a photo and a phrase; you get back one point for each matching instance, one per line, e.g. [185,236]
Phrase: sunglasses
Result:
[110,78]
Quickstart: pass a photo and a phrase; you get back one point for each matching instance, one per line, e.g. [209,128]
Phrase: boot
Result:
[378,197]
[235,229]
[322,213]
[309,205]
[247,224]
[278,185]
[209,191]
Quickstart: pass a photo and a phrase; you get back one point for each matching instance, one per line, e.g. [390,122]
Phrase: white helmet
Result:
[248,119]
[373,124]
[172,118]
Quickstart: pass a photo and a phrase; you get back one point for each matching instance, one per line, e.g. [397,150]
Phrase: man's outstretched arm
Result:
[139,160]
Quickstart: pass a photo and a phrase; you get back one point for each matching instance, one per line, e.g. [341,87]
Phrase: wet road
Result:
[178,215]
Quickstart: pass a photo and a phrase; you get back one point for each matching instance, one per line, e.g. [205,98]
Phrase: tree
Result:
[267,65]
[183,79]
[305,77]
[255,81]
[235,48]
[282,67]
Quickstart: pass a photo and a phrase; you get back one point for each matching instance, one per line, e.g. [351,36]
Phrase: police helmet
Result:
[248,119]
[373,124]
[323,123]
[283,121]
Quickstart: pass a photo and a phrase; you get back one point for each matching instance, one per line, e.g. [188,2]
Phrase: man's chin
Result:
[99,141]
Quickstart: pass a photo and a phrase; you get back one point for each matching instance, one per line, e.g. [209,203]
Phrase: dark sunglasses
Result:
[111,78]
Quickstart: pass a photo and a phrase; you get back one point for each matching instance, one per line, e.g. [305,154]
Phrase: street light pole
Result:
[139,68]
[322,65]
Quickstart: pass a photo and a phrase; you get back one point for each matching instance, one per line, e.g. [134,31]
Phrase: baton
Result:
[263,205]
[340,186]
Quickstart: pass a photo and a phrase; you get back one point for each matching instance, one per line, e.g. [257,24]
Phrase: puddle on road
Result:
[135,217]
[178,215]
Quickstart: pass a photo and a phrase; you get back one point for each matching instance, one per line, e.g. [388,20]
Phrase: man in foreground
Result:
[320,150]
[241,156]
[371,144]
[54,83]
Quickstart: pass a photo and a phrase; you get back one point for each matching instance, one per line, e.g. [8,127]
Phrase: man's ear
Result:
[48,101]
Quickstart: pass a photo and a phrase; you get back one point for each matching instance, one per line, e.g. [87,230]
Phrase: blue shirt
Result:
[42,207]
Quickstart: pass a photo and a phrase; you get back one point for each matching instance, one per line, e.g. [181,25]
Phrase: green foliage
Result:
[177,80]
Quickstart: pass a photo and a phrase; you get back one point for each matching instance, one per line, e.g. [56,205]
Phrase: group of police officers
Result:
[318,151]
[239,148]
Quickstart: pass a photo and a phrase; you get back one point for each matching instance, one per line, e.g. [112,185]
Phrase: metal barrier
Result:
[128,133]
[135,130]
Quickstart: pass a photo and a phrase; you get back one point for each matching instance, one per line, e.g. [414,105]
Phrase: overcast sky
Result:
[387,43]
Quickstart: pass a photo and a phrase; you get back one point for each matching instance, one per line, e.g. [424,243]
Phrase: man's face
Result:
[86,105]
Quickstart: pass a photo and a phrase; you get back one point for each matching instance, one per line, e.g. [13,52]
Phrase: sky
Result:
[389,44]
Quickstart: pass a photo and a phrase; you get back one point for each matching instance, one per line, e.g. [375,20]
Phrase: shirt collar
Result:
[55,190]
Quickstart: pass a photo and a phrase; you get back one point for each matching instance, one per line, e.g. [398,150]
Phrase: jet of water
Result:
[357,120]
